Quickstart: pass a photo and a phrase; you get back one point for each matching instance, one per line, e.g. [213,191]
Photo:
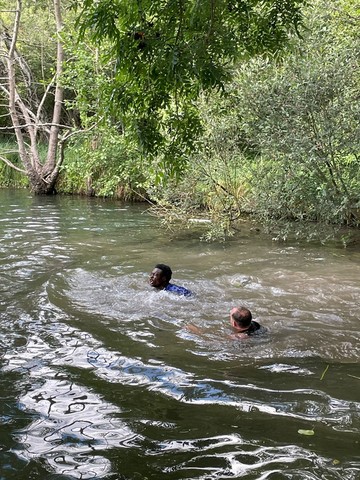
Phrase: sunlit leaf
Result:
[306,432]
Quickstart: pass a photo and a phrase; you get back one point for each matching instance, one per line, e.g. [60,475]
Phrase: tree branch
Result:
[44,97]
[10,164]
[31,124]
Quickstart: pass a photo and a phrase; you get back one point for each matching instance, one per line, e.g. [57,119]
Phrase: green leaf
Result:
[306,432]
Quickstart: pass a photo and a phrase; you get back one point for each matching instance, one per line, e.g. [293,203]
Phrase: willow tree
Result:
[26,110]
[163,53]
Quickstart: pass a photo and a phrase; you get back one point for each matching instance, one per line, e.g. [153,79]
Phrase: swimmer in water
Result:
[160,279]
[241,321]
[243,324]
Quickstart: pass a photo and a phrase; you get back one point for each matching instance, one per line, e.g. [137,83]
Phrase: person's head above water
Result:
[160,279]
[240,318]
[160,276]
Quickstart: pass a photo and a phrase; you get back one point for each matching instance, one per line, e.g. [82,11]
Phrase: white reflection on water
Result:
[72,422]
[280,368]
[187,387]
[247,460]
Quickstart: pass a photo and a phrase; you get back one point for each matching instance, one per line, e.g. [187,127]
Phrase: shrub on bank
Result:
[102,165]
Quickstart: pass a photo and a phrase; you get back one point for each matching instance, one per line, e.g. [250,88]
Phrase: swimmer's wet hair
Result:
[165,269]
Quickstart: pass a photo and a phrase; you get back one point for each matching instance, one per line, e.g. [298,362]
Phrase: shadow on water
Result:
[101,377]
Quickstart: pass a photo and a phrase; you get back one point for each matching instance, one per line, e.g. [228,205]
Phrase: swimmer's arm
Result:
[191,328]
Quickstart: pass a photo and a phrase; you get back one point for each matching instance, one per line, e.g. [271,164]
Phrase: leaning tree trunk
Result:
[27,123]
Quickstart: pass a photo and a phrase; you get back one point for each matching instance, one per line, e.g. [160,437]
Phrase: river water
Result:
[102,378]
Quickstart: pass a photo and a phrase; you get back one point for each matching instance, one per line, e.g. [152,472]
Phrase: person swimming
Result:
[160,279]
[242,322]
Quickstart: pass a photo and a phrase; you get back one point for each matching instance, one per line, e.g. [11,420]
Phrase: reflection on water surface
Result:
[102,379]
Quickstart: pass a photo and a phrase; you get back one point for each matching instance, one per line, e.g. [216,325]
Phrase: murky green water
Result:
[100,378]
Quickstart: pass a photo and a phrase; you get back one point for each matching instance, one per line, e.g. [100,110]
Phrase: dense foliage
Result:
[283,143]
[164,53]
[194,106]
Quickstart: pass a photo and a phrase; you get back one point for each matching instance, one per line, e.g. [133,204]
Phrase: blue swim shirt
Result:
[178,290]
